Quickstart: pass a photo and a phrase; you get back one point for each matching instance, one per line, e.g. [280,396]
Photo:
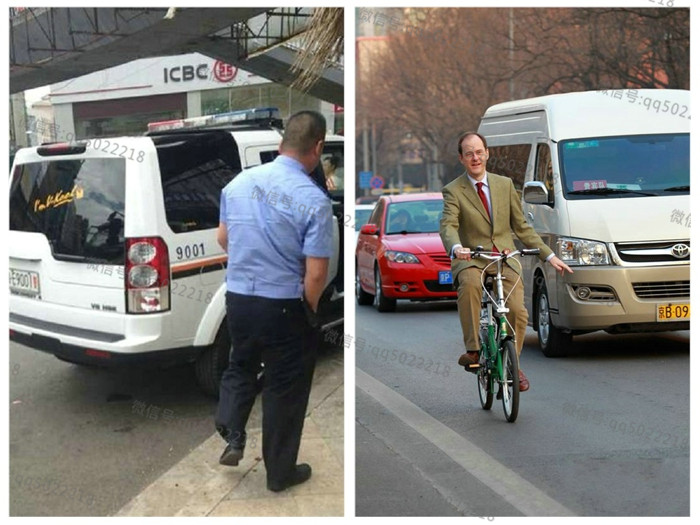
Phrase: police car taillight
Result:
[147,275]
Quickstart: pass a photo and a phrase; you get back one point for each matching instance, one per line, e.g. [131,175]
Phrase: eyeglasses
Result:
[479,153]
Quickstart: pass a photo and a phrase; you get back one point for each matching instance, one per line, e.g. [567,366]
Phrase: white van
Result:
[113,252]
[605,180]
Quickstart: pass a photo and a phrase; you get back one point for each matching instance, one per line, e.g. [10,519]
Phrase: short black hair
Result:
[465,135]
[303,130]
[333,161]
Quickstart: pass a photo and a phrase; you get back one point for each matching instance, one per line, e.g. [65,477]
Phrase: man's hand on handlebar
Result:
[463,254]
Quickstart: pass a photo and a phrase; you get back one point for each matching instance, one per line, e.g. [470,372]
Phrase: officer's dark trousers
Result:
[276,332]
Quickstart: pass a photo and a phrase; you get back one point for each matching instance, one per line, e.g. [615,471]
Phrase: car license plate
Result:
[445,277]
[24,282]
[672,312]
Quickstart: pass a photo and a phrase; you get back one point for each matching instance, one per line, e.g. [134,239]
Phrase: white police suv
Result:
[113,252]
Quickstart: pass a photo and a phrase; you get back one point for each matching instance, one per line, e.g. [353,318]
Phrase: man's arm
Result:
[449,223]
[315,279]
[222,236]
[529,237]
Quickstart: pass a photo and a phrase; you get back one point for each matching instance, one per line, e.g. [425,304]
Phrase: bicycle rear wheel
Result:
[511,382]
[483,378]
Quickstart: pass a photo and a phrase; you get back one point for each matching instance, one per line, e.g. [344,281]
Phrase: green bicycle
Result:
[498,360]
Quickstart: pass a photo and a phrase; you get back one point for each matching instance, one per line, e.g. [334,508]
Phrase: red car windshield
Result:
[414,217]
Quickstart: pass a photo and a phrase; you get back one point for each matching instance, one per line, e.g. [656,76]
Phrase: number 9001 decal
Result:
[189,251]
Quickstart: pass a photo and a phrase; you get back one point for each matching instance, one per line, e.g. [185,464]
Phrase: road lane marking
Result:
[513,488]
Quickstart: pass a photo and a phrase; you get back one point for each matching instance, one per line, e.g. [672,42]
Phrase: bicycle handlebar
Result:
[480,252]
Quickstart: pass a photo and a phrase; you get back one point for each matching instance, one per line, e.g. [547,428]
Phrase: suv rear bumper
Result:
[88,355]
[83,345]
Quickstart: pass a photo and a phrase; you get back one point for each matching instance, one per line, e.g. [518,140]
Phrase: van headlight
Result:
[582,252]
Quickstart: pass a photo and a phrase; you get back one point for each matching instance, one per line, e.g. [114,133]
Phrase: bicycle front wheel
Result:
[511,382]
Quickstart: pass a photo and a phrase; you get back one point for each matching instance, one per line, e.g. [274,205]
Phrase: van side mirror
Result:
[369,229]
[535,192]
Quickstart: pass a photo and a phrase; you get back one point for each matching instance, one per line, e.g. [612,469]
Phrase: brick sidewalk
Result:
[199,486]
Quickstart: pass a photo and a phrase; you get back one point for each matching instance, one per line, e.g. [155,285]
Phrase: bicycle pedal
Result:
[473,368]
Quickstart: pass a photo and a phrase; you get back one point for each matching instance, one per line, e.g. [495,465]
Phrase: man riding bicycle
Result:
[483,209]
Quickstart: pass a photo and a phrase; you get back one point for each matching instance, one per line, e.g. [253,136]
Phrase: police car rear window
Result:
[77,204]
[194,168]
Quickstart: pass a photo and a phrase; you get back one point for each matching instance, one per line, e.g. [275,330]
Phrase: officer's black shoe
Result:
[231,456]
[302,472]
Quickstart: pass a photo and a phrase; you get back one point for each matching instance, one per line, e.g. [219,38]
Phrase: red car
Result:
[399,253]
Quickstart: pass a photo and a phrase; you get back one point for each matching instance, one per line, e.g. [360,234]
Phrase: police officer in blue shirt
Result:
[276,226]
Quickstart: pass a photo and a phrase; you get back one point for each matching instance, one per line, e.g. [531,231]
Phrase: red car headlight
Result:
[401,257]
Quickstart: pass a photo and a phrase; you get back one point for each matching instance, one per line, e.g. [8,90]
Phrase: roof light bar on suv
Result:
[270,116]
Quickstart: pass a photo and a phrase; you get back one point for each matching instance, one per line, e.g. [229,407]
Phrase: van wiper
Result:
[678,188]
[608,191]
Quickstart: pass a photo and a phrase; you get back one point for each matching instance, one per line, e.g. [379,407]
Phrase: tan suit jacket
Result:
[466,222]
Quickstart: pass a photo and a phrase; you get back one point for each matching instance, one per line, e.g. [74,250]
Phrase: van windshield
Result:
[77,204]
[632,166]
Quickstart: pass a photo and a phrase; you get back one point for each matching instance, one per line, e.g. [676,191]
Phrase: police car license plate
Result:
[24,282]
[672,312]
[445,277]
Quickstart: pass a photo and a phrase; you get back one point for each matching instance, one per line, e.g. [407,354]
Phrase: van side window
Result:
[194,168]
[509,161]
[543,168]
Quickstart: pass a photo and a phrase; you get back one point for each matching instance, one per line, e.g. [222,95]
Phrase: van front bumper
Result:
[636,293]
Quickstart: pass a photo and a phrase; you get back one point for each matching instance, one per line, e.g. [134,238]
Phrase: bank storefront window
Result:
[261,95]
[121,125]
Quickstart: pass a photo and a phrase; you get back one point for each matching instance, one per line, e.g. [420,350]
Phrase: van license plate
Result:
[672,312]
[445,277]
[24,282]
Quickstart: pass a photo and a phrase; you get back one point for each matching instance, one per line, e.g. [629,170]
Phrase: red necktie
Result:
[482,196]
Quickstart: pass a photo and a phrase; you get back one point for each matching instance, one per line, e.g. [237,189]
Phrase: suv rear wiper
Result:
[678,188]
[608,191]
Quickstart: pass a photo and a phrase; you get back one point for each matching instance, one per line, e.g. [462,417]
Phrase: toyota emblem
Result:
[680,251]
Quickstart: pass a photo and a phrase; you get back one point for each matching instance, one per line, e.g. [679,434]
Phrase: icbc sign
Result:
[185,73]
[224,72]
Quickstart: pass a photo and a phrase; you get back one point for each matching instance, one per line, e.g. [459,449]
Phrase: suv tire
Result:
[212,362]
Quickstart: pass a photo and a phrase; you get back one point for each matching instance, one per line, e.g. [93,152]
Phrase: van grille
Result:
[662,290]
[645,252]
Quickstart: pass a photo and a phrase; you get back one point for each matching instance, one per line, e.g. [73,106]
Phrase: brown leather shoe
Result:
[524,383]
[469,358]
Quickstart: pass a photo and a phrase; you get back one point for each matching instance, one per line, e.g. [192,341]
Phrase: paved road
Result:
[84,441]
[602,432]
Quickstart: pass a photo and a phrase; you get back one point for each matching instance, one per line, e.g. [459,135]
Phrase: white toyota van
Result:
[112,244]
[605,180]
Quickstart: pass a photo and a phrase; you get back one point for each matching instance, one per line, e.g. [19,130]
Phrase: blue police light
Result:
[231,117]
[246,115]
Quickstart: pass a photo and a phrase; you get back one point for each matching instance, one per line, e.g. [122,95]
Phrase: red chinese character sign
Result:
[224,72]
